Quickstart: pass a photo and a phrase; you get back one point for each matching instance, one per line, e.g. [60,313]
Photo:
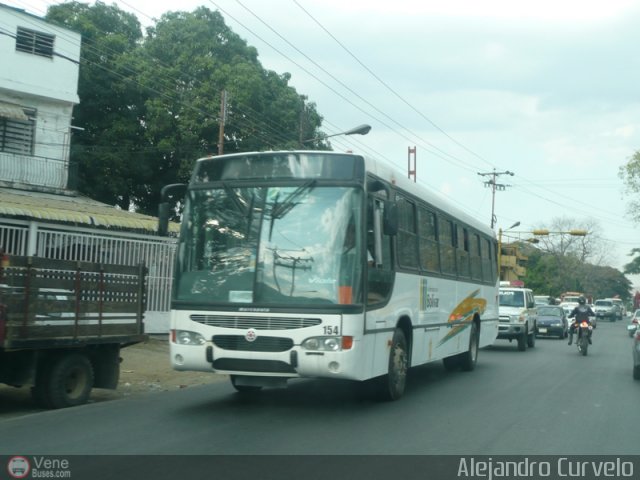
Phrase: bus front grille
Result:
[258,366]
[257,323]
[260,344]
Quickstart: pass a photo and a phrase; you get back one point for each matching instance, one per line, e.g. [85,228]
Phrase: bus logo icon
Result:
[251,335]
[18,467]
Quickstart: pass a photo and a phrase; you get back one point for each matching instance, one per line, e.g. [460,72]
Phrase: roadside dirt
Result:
[145,368]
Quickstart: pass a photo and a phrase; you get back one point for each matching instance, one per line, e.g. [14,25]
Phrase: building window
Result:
[37,43]
[17,134]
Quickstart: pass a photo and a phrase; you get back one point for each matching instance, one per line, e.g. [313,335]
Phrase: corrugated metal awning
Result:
[14,112]
[73,209]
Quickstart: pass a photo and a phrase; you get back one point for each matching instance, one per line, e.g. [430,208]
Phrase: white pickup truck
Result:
[518,316]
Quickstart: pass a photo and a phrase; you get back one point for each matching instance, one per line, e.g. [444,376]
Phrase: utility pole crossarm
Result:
[491,183]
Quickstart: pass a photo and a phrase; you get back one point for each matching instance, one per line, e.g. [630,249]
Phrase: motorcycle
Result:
[583,330]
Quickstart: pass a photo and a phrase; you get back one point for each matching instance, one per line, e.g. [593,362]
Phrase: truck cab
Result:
[518,316]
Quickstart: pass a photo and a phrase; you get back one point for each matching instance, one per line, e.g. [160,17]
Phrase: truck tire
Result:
[522,341]
[69,381]
[531,339]
[39,392]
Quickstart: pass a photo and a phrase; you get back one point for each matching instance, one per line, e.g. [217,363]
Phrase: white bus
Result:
[319,264]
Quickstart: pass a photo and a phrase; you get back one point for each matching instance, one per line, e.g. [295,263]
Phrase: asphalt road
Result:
[545,401]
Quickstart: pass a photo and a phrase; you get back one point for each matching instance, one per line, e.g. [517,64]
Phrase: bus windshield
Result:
[271,245]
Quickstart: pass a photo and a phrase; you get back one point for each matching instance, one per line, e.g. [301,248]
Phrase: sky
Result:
[545,89]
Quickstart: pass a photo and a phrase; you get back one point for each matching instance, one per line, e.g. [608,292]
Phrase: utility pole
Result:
[491,183]
[223,118]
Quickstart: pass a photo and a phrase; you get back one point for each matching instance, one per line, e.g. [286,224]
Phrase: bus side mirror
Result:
[163,218]
[390,219]
[174,190]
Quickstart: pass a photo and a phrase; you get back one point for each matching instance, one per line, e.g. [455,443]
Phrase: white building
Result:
[39,214]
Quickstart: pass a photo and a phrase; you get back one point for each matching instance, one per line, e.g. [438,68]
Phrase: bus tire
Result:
[69,381]
[392,384]
[451,363]
[469,358]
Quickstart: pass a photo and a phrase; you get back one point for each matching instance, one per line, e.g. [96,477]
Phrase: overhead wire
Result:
[393,91]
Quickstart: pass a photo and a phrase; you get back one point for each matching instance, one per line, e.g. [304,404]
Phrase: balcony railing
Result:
[35,171]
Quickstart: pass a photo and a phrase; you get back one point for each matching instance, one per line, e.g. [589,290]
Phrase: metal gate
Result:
[19,237]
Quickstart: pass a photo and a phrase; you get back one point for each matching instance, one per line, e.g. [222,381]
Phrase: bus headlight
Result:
[184,337]
[327,344]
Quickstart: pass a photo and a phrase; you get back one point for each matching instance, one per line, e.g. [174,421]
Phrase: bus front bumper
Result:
[295,362]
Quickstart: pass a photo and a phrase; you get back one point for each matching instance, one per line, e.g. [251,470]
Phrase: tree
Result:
[150,106]
[190,59]
[630,175]
[548,274]
[592,247]
[110,107]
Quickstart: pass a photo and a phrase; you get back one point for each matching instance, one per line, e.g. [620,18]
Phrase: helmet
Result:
[581,301]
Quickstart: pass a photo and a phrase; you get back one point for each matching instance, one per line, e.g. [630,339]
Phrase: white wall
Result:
[34,75]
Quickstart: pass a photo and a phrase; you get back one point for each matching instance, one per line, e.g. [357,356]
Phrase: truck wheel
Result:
[391,386]
[469,358]
[531,339]
[39,392]
[70,381]
[522,341]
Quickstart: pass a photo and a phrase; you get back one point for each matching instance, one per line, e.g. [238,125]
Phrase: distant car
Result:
[568,307]
[542,300]
[552,322]
[634,323]
[606,308]
[623,309]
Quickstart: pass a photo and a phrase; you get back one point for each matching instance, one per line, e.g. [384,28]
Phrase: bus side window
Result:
[380,276]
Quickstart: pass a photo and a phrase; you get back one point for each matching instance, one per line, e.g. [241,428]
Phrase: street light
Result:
[359,130]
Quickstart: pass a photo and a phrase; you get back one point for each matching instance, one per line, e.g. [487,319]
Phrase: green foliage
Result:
[150,106]
[553,274]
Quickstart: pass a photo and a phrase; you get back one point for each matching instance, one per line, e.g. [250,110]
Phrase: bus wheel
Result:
[393,384]
[451,363]
[244,388]
[469,358]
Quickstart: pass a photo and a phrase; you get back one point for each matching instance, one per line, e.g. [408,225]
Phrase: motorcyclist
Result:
[581,313]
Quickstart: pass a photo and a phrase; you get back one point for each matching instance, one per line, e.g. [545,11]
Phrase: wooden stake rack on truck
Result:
[63,323]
